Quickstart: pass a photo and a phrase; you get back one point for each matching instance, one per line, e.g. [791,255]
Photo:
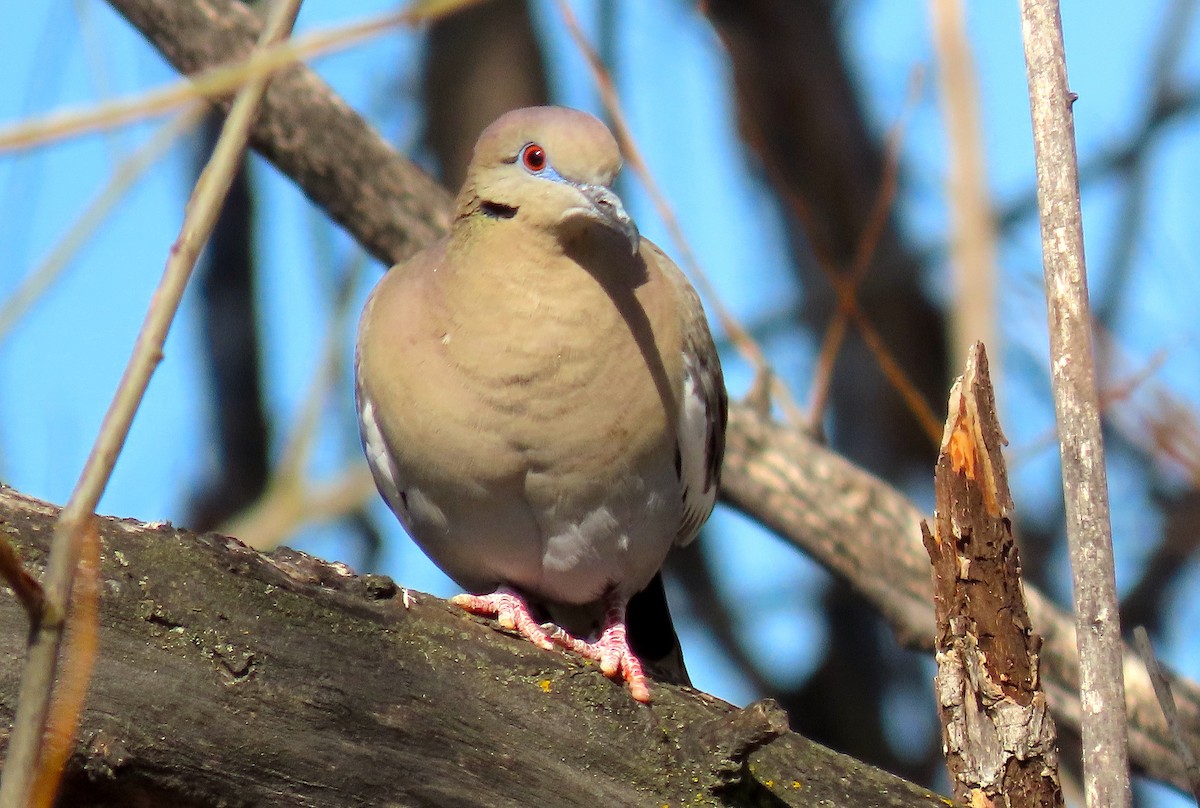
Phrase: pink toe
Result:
[612,650]
[618,661]
[510,611]
[638,688]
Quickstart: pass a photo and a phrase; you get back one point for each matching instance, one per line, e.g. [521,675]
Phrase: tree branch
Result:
[1077,411]
[40,672]
[306,130]
[233,678]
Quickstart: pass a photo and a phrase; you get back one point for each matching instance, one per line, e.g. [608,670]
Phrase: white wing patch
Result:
[406,501]
[378,456]
[693,436]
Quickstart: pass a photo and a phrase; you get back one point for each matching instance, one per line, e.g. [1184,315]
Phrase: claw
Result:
[616,658]
[612,651]
[511,612]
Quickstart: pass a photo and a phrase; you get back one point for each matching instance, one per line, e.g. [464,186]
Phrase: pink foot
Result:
[612,651]
[511,612]
[616,658]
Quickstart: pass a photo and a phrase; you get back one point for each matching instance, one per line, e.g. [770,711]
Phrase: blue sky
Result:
[60,363]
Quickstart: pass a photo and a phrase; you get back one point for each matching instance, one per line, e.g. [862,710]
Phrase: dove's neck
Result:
[507,270]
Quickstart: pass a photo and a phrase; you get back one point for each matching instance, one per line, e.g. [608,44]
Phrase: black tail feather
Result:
[652,634]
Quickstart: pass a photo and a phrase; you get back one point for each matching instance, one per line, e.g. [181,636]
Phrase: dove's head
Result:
[553,168]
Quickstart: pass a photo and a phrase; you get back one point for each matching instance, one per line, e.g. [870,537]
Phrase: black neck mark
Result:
[497,211]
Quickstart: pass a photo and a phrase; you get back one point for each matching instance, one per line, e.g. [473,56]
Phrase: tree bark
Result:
[231,678]
[999,738]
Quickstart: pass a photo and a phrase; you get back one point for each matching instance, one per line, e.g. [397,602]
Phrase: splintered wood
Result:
[997,732]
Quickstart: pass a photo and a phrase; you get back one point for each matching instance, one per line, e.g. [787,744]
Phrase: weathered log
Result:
[228,677]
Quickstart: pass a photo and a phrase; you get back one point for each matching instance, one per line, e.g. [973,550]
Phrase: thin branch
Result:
[97,55]
[846,286]
[219,81]
[1162,690]
[43,277]
[37,679]
[1117,160]
[973,234]
[1077,409]
[1148,414]
[738,335]
[25,587]
[822,382]
[1118,404]
[1173,37]
[83,630]
[291,499]
[900,381]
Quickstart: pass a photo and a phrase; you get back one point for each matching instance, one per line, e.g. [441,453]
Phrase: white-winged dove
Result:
[539,397]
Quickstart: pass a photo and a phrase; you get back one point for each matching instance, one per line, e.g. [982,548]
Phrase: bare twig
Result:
[43,277]
[291,499]
[24,586]
[822,381]
[1162,690]
[97,54]
[896,376]
[219,81]
[1118,403]
[38,677]
[1077,409]
[83,630]
[1173,38]
[1148,414]
[845,286]
[973,236]
[738,335]
[1109,164]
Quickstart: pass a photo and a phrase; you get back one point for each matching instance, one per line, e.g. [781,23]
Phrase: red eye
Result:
[533,157]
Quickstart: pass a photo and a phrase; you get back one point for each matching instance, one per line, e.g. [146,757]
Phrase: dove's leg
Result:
[612,651]
[511,612]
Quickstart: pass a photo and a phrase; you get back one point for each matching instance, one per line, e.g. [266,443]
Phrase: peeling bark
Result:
[999,738]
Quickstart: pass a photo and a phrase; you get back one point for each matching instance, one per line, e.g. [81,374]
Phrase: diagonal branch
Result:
[41,668]
[306,130]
